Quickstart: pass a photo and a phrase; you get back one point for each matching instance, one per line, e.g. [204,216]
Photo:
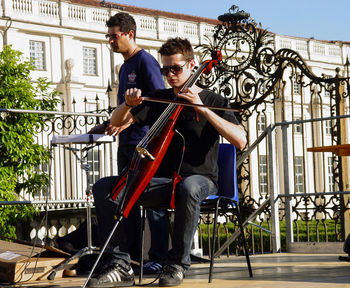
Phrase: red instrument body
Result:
[134,180]
[147,168]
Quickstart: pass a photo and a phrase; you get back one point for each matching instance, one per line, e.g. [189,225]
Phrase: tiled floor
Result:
[272,270]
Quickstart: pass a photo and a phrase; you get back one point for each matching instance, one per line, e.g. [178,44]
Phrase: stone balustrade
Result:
[69,15]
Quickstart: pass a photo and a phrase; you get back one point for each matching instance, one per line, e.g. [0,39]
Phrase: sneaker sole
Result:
[115,284]
[169,284]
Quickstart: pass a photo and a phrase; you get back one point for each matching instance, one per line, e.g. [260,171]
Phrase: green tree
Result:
[20,156]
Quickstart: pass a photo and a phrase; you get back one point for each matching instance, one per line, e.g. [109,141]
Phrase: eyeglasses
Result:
[115,36]
[175,69]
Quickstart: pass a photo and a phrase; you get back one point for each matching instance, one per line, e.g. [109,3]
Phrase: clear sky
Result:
[321,19]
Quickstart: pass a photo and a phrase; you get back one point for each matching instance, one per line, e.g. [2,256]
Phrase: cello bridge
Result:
[144,153]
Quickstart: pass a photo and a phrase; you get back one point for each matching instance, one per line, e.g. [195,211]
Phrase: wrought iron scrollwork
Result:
[250,68]
[251,77]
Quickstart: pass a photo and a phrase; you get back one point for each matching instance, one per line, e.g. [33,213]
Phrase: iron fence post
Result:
[287,190]
[276,238]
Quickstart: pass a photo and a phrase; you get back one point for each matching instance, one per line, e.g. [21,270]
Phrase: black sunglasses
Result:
[175,69]
[115,36]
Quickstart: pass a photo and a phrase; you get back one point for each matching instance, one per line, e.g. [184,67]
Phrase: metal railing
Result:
[282,204]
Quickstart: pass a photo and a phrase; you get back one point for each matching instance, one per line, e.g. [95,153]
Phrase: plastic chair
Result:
[226,200]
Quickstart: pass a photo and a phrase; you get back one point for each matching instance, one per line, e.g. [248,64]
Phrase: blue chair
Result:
[226,200]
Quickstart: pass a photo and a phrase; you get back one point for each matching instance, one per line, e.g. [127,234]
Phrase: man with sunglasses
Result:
[140,70]
[200,130]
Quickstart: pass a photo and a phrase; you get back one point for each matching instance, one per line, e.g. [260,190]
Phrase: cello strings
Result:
[163,119]
[154,130]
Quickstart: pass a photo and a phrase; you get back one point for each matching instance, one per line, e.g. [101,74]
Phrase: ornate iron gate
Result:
[264,83]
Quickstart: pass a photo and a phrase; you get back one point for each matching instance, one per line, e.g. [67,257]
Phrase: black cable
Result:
[155,279]
[45,218]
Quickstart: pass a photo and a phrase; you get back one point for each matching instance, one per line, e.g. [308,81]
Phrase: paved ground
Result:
[273,270]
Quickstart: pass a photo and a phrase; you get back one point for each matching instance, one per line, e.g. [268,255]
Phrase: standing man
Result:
[140,70]
[200,128]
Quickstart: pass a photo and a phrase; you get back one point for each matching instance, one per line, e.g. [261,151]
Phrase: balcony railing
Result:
[76,16]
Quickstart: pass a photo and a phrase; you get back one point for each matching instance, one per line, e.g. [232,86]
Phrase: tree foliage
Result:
[20,156]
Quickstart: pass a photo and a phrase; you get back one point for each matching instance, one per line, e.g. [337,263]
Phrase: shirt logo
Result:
[132,77]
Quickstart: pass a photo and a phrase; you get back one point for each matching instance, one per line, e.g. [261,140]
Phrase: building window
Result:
[328,127]
[299,174]
[263,174]
[37,54]
[89,58]
[296,85]
[327,87]
[261,123]
[93,159]
[330,174]
[298,127]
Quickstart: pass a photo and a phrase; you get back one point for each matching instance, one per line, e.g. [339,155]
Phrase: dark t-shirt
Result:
[200,137]
[141,71]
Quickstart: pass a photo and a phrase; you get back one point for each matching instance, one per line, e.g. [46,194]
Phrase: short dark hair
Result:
[124,21]
[177,45]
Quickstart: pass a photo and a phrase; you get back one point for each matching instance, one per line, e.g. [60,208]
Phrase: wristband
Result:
[127,105]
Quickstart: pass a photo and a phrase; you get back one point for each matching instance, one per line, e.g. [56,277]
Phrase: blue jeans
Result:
[188,197]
